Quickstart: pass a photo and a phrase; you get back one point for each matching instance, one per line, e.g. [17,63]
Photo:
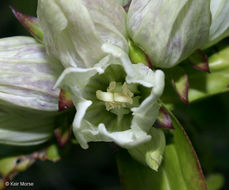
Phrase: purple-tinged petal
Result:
[199,61]
[65,100]
[30,23]
[164,121]
[165,29]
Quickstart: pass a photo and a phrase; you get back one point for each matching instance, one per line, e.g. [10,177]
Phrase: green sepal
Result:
[52,153]
[136,54]
[151,152]
[202,84]
[199,61]
[63,130]
[65,100]
[206,84]
[180,82]
[30,23]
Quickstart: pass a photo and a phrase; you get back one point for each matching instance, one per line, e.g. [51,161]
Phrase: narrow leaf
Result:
[180,169]
[30,23]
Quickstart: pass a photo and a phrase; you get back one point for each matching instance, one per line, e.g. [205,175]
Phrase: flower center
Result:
[117,96]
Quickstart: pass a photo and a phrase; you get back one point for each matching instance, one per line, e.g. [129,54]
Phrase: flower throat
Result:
[117,96]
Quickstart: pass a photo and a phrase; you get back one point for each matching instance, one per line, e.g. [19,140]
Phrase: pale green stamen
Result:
[117,96]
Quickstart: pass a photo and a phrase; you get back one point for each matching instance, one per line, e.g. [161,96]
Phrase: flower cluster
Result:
[116,100]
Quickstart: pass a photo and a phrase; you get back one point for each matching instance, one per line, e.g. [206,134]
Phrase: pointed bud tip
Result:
[126,7]
[30,23]
[154,159]
[65,100]
[63,136]
[164,121]
[199,61]
[182,93]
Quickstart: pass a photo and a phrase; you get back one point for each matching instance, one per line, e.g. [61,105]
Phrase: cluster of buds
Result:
[89,53]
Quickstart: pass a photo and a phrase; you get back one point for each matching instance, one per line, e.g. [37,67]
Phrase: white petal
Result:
[74,30]
[220,21]
[125,132]
[69,32]
[169,31]
[28,74]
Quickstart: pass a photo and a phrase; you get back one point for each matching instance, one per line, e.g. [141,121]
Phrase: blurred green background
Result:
[206,122]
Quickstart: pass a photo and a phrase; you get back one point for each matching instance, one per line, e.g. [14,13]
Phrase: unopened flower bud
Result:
[169,31]
[28,102]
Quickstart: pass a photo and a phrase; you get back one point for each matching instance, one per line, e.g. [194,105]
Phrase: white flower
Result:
[220,21]
[28,74]
[74,30]
[116,101]
[169,31]
[28,101]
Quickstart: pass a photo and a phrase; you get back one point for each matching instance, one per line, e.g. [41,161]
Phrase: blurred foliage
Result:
[206,122]
[9,26]
[215,181]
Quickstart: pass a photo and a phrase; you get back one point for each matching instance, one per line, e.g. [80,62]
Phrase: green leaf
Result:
[201,84]
[206,84]
[215,182]
[14,159]
[180,169]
